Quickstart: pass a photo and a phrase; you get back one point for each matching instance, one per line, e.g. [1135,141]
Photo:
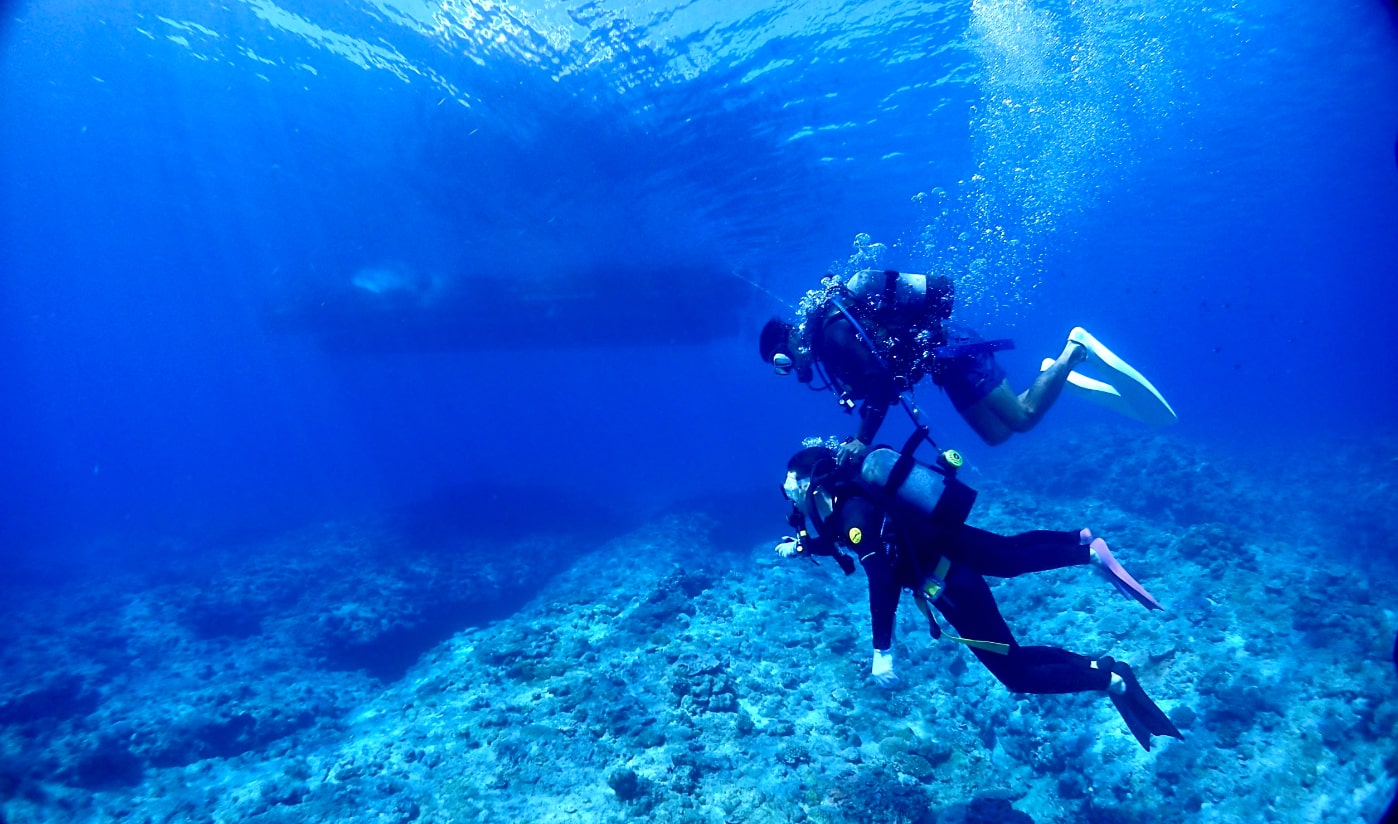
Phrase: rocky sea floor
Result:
[339,674]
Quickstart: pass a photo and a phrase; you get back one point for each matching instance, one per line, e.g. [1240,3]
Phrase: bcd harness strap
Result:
[932,585]
[863,336]
[922,603]
[953,506]
[890,287]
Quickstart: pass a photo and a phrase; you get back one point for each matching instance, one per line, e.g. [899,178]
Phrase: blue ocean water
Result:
[1210,190]
[185,187]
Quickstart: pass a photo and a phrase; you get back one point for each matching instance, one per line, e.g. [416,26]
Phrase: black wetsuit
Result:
[878,379]
[850,362]
[898,556]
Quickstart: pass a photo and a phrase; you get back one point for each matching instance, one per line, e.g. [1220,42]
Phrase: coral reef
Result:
[336,675]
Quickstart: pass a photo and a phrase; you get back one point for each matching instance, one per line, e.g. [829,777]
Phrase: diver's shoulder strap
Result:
[890,287]
[860,332]
[903,466]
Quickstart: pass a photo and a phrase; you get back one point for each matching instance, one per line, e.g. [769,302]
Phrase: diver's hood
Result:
[814,506]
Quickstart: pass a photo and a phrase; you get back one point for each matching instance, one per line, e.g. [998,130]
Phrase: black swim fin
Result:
[1140,713]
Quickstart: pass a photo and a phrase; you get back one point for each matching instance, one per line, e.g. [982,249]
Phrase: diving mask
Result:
[814,507]
[782,363]
[795,490]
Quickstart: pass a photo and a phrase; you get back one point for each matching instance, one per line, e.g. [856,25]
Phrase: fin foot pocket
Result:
[1141,714]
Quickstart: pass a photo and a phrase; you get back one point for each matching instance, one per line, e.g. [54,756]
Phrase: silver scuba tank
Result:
[916,488]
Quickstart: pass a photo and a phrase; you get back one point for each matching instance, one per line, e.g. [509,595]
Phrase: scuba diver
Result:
[906,523]
[874,337]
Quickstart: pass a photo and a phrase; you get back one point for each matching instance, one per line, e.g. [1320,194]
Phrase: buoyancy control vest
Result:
[898,316]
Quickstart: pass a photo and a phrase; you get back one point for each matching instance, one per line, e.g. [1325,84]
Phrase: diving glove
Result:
[882,670]
[788,547]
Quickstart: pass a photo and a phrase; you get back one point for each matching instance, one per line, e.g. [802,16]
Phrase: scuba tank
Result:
[901,482]
[906,485]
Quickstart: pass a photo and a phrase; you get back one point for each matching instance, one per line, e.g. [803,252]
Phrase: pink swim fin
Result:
[1109,568]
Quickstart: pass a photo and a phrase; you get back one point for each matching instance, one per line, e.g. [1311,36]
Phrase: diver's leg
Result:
[1035,401]
[1005,556]
[969,606]
[978,389]
[1108,566]
[1048,671]
[1003,413]
[986,416]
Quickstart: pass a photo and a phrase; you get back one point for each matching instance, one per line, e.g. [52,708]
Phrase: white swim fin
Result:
[1125,391]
